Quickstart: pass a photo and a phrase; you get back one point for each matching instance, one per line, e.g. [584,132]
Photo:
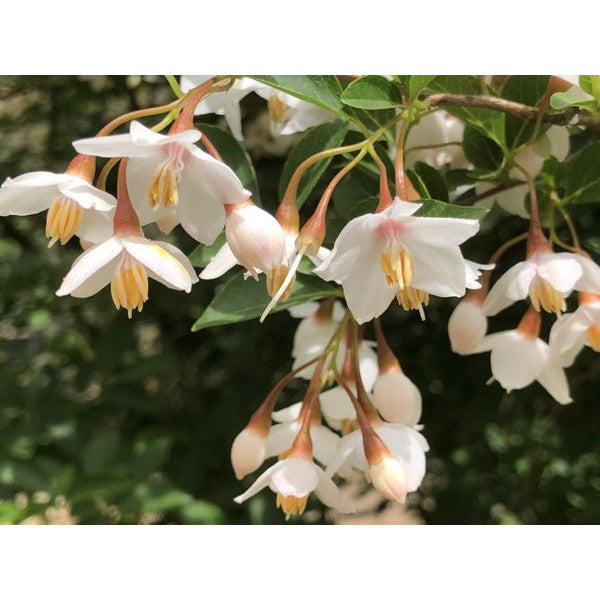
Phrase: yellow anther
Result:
[291,505]
[544,296]
[397,265]
[129,286]
[411,298]
[278,109]
[593,335]
[348,426]
[62,221]
[164,188]
[275,280]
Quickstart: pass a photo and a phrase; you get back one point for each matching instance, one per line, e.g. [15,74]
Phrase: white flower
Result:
[293,479]
[473,273]
[397,398]
[287,114]
[281,437]
[436,129]
[391,254]
[248,452]
[405,444]
[467,326]
[169,173]
[518,359]
[223,103]
[75,207]
[126,262]
[389,478]
[572,332]
[554,142]
[547,277]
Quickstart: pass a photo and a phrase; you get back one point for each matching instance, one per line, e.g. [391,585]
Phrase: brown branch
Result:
[530,113]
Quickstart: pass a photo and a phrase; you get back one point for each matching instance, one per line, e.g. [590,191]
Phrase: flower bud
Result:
[467,326]
[397,398]
[255,238]
[247,452]
[388,477]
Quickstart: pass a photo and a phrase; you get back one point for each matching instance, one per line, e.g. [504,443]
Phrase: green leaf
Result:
[201,512]
[417,83]
[372,92]
[582,182]
[585,83]
[234,156]
[240,300]
[325,136]
[563,99]
[322,90]
[434,182]
[201,255]
[526,89]
[488,122]
[482,151]
[435,208]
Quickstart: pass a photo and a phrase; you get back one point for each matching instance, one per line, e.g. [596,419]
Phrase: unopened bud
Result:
[247,452]
[255,238]
[467,326]
[388,477]
[397,398]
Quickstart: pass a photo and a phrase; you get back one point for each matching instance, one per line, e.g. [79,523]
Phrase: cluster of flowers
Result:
[389,254]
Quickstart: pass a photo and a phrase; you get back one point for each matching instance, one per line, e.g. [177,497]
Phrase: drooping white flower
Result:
[75,207]
[572,332]
[281,437]
[126,262]
[293,480]
[169,174]
[554,142]
[225,259]
[436,129]
[225,103]
[389,478]
[287,114]
[547,277]
[404,443]
[248,451]
[397,398]
[519,357]
[391,254]
[467,326]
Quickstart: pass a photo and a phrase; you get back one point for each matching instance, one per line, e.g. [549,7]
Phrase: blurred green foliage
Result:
[105,420]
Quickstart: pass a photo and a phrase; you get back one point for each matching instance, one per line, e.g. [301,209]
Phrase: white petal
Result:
[301,311]
[281,437]
[220,263]
[100,279]
[329,494]
[561,270]
[590,278]
[348,446]
[112,146]
[473,273]
[335,404]
[200,211]
[290,413]
[86,195]
[517,360]
[325,444]
[401,208]
[140,173]
[442,231]
[260,484]
[90,262]
[29,194]
[298,477]
[499,298]
[95,226]
[162,261]
[553,378]
[467,327]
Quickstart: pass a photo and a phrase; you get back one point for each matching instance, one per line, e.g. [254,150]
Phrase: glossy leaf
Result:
[417,83]
[373,92]
[435,208]
[582,181]
[323,137]
[240,300]
[322,90]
